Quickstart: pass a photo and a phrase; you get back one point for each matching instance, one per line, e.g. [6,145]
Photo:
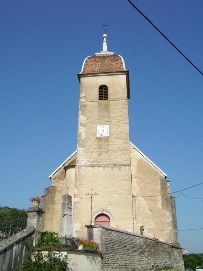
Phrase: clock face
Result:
[102,130]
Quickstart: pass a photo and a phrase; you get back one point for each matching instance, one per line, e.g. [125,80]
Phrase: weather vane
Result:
[105,25]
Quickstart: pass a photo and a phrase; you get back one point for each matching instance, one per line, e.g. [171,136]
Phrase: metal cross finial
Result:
[105,26]
[91,195]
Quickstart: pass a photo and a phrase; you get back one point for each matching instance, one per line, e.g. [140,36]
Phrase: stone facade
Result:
[127,187]
[153,206]
[103,163]
[149,194]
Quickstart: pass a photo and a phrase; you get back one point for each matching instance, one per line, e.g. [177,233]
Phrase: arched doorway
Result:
[102,219]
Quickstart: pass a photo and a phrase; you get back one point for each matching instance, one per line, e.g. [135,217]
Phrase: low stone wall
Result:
[77,260]
[82,261]
[123,251]
[13,250]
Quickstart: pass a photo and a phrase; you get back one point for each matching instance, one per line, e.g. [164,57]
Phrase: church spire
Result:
[105,37]
[104,48]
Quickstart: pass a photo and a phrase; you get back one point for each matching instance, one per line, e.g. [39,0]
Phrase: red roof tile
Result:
[106,63]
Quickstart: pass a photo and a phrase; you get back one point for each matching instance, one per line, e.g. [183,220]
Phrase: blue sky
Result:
[42,48]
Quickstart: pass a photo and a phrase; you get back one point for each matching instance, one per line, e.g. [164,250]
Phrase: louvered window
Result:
[103,92]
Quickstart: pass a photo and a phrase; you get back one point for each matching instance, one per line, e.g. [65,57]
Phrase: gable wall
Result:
[151,200]
[142,200]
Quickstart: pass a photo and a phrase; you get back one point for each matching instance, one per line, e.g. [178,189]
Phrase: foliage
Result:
[191,261]
[50,261]
[49,238]
[88,243]
[5,211]
[45,261]
[12,220]
[36,198]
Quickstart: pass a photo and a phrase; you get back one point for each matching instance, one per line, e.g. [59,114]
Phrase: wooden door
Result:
[102,219]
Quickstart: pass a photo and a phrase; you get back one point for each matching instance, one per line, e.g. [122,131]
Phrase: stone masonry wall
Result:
[123,251]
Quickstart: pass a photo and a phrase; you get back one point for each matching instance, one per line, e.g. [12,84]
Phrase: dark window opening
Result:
[103,92]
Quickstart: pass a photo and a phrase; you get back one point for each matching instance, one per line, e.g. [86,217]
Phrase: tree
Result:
[5,211]
[12,220]
[191,261]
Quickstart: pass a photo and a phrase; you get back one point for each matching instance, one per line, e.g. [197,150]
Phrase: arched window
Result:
[103,92]
[102,219]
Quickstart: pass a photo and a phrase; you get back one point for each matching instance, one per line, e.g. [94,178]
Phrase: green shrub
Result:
[51,261]
[49,238]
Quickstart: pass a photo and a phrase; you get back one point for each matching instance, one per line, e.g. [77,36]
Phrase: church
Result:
[108,180]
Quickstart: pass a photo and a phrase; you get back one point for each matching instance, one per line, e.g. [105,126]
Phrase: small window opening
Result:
[103,92]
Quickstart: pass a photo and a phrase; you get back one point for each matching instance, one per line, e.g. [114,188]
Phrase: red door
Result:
[102,219]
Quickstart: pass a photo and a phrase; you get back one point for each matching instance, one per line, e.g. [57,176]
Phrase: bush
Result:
[49,238]
[45,262]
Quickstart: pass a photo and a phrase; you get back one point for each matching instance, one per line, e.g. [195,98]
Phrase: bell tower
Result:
[103,150]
